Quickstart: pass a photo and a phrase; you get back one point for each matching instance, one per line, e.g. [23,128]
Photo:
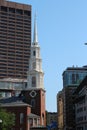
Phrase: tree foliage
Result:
[8,119]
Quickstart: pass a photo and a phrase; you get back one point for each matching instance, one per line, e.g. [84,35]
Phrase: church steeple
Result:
[35,73]
[35,37]
[35,80]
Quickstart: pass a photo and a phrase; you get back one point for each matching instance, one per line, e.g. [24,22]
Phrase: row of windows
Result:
[17,55]
[9,14]
[81,102]
[14,59]
[15,36]
[19,31]
[81,109]
[15,27]
[13,10]
[18,48]
[14,62]
[13,75]
[35,121]
[13,43]
[16,32]
[82,118]
[20,53]
[6,41]
[15,19]
[14,71]
[15,22]
[10,69]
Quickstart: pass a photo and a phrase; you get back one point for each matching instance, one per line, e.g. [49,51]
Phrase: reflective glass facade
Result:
[72,76]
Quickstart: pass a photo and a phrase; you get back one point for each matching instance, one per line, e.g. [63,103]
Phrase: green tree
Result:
[8,119]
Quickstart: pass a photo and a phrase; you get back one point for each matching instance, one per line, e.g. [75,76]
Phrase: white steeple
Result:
[35,73]
[35,40]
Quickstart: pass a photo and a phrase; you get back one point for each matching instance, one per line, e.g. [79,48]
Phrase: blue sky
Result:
[62,32]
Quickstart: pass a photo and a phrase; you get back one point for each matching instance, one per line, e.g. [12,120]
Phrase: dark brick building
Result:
[21,111]
[24,118]
[36,98]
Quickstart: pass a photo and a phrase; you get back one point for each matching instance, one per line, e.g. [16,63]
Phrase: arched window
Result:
[34,81]
[34,53]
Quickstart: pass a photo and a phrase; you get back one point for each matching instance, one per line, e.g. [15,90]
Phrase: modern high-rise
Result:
[72,76]
[15,39]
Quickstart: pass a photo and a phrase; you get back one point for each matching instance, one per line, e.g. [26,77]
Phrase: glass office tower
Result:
[72,76]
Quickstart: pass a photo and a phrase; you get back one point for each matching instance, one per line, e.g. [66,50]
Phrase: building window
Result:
[35,121]
[27,13]
[21,118]
[73,78]
[18,11]
[34,53]
[33,81]
[31,121]
[4,9]
[33,102]
[38,121]
[11,10]
[34,65]
[77,77]
[84,108]
[84,117]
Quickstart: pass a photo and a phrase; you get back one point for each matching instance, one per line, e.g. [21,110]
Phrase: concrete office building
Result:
[68,108]
[72,77]
[51,117]
[65,108]
[15,39]
[81,105]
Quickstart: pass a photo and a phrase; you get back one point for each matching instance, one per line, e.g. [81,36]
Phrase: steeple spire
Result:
[35,74]
[35,40]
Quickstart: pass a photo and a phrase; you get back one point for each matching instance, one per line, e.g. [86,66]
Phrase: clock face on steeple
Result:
[33,93]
